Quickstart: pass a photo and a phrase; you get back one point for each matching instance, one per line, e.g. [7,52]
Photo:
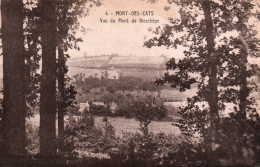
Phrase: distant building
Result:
[83,106]
[99,104]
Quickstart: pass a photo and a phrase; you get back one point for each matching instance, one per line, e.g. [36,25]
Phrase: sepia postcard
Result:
[129,83]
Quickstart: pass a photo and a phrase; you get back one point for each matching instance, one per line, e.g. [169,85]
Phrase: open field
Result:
[131,125]
[125,125]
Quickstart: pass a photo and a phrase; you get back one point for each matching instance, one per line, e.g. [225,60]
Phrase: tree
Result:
[213,82]
[68,13]
[247,43]
[32,44]
[218,63]
[96,74]
[201,56]
[62,69]
[61,87]
[145,113]
[14,106]
[48,147]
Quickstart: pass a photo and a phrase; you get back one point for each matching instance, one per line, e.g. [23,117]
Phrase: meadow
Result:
[123,125]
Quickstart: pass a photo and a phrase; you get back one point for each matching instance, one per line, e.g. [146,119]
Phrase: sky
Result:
[122,38]
[125,38]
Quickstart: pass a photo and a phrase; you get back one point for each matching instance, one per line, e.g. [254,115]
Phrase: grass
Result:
[131,125]
[125,125]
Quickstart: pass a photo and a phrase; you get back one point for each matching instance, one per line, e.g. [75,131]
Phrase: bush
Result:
[236,140]
[33,140]
[142,110]
[87,138]
[155,150]
[99,110]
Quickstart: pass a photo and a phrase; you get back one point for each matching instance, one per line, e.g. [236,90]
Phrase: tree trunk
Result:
[62,33]
[243,88]
[213,83]
[14,106]
[244,93]
[61,106]
[48,145]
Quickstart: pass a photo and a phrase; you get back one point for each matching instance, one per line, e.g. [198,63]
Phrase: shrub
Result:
[99,110]
[33,140]
[155,150]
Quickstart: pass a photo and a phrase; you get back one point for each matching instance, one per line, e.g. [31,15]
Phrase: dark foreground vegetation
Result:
[142,148]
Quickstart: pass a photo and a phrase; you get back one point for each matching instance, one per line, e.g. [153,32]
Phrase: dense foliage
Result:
[85,144]
[126,83]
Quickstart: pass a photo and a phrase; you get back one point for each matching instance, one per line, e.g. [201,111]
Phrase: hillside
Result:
[146,67]
[108,62]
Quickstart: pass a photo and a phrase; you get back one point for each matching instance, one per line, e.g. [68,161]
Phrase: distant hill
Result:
[147,67]
[108,62]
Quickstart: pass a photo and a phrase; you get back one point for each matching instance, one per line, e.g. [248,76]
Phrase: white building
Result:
[83,106]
